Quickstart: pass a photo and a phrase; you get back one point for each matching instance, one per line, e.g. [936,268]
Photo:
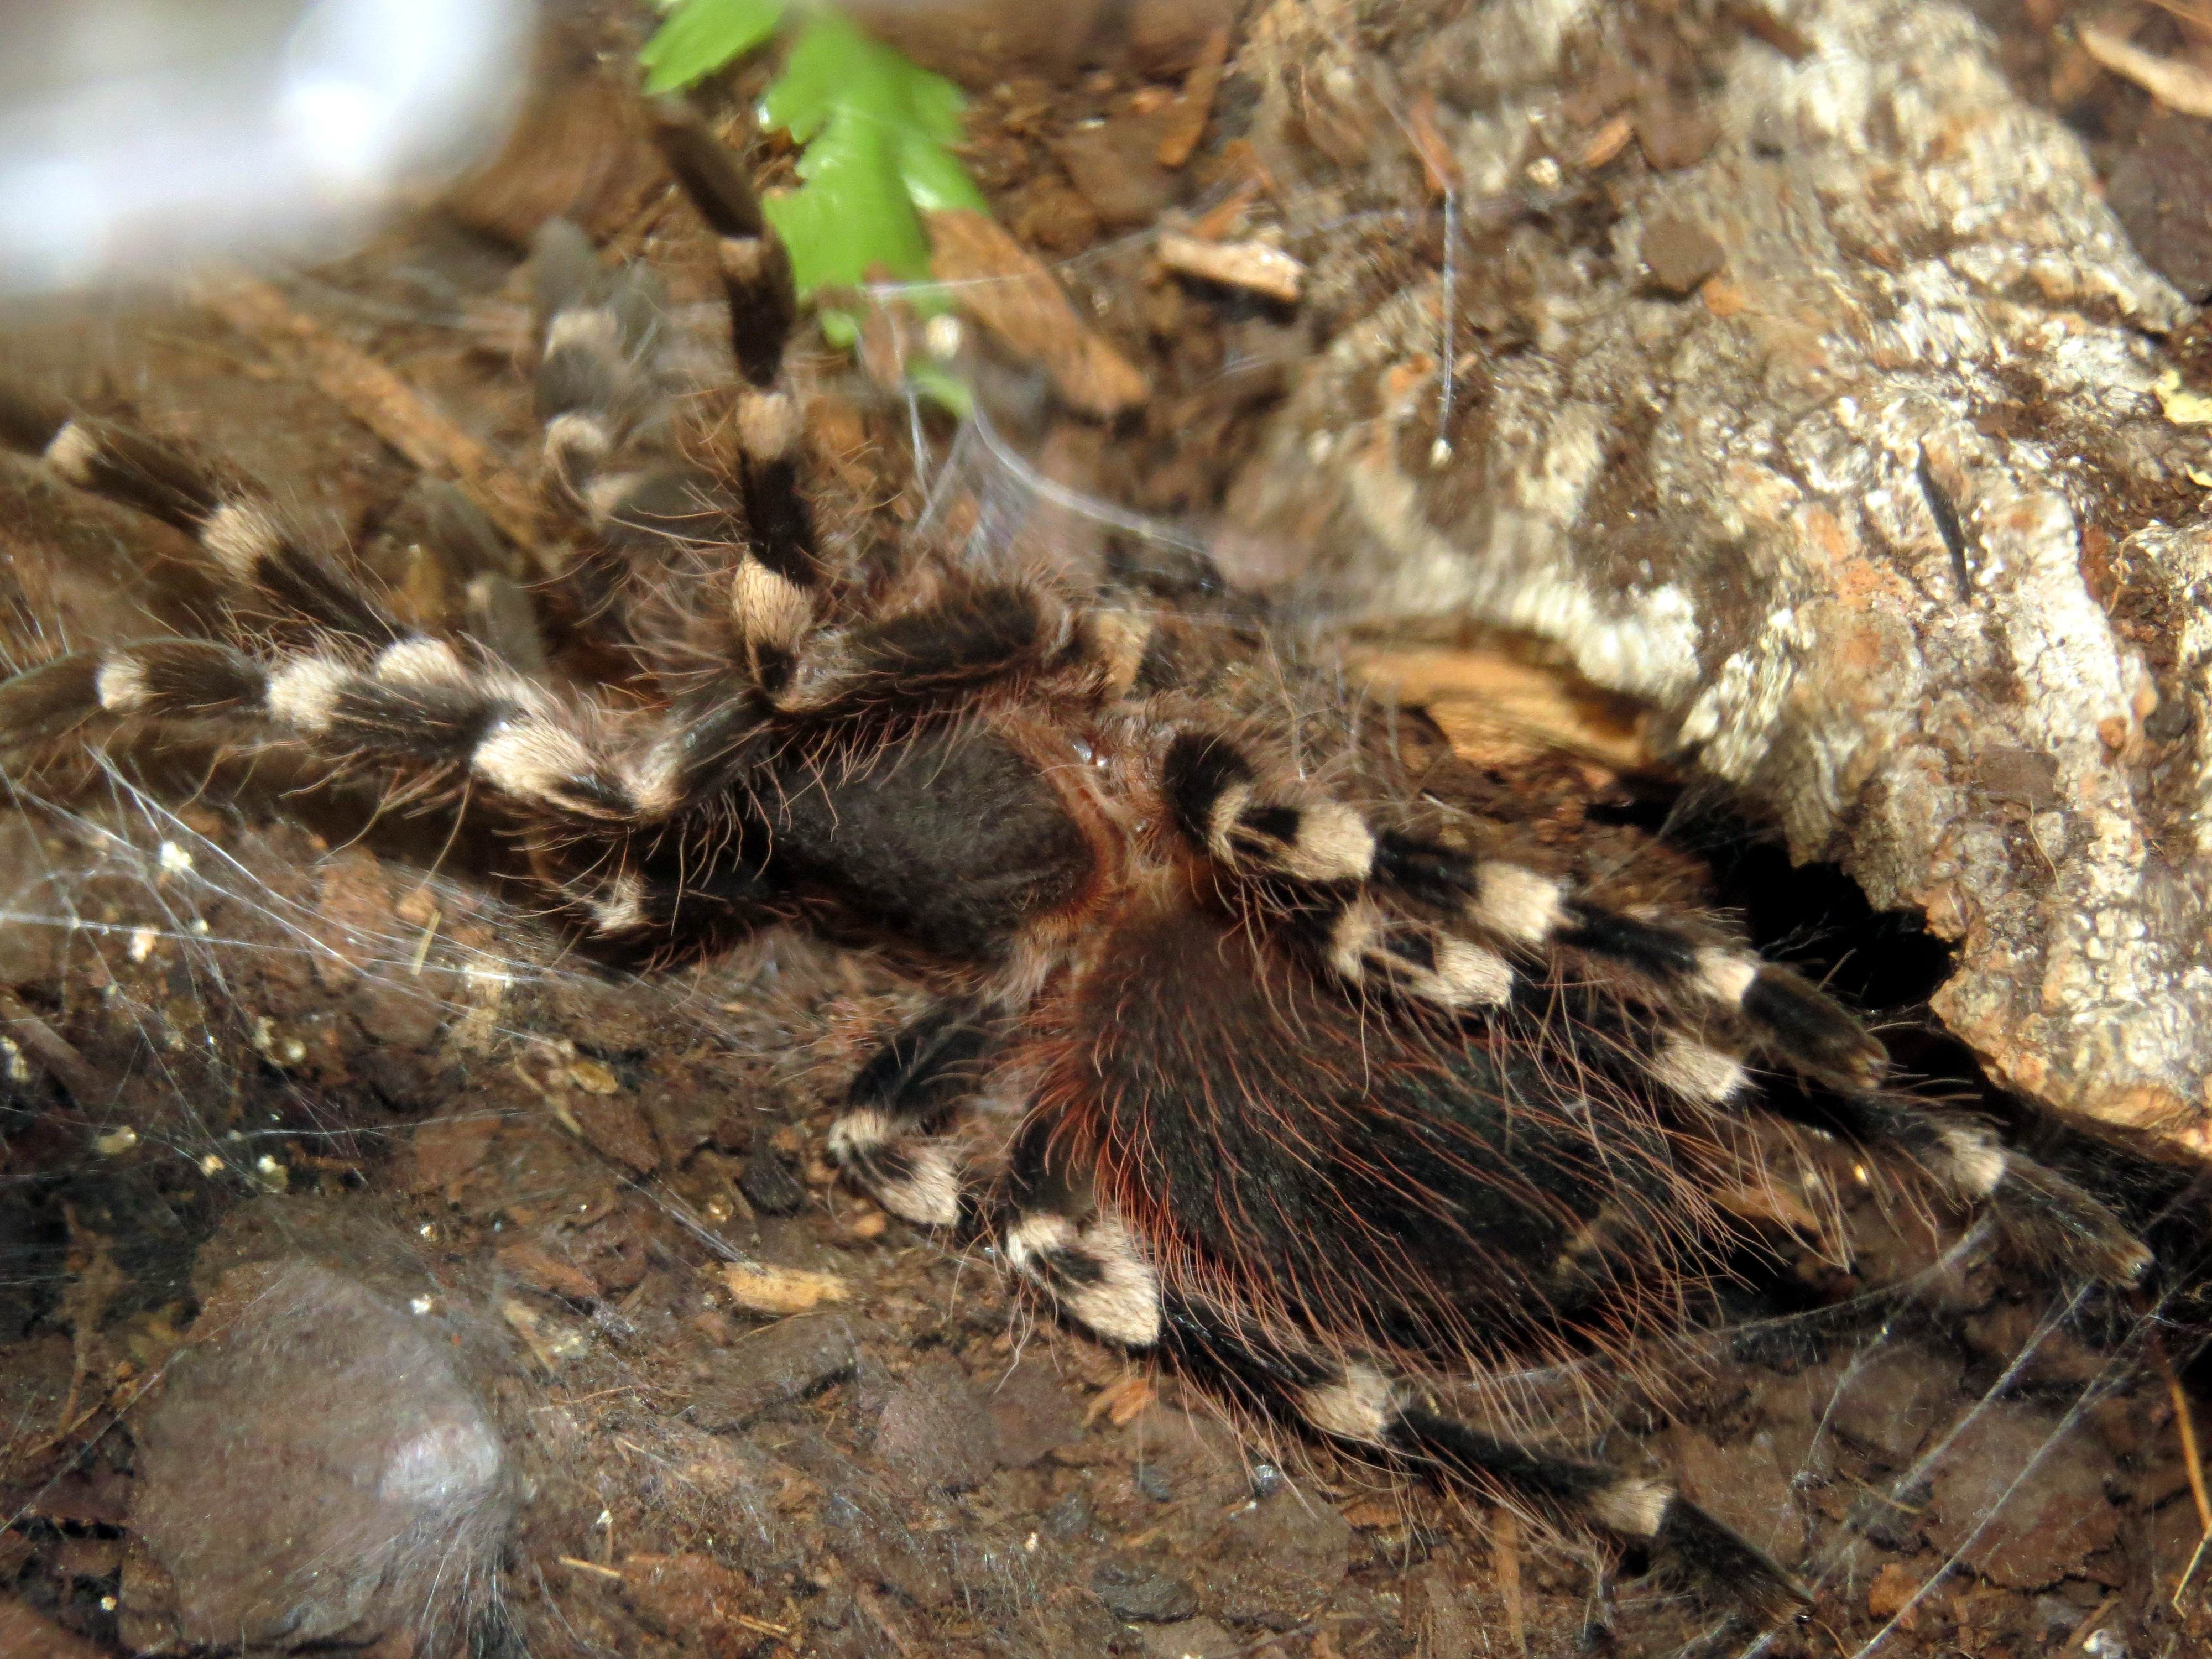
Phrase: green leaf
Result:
[702,35]
[876,129]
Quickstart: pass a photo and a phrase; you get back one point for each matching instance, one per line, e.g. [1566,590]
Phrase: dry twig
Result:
[1254,266]
[1001,284]
[1505,1555]
[2180,87]
[1188,115]
[378,399]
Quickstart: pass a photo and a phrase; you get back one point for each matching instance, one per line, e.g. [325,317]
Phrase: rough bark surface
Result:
[1884,518]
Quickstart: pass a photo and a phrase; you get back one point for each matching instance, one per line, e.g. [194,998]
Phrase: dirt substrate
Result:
[376,1273]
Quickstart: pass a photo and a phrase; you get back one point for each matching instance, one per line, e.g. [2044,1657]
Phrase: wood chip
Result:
[1438,171]
[1495,708]
[1255,266]
[2180,405]
[781,1289]
[2180,87]
[1755,20]
[1119,1401]
[541,1270]
[592,1077]
[1608,142]
[1189,113]
[1370,1514]
[881,1615]
[1217,221]
[1004,287]
[1724,298]
[1891,1594]
[378,399]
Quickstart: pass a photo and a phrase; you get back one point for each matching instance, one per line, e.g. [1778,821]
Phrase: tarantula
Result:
[1327,1098]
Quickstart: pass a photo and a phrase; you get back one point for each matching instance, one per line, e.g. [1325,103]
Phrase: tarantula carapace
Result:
[1328,1096]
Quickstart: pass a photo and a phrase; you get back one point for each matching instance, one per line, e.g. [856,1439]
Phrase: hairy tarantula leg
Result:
[1216,796]
[1314,856]
[1080,1253]
[2046,1212]
[415,702]
[905,1094]
[604,416]
[1785,1018]
[763,309]
[174,678]
[1218,802]
[1365,945]
[498,613]
[1096,1269]
[644,904]
[2054,1219]
[975,634]
[1357,1403]
[1322,862]
[238,535]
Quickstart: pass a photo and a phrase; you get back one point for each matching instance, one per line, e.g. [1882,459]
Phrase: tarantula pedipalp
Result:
[1330,1095]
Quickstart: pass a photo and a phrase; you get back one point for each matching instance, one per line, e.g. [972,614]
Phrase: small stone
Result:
[935,1432]
[1675,138]
[787,1360]
[297,1448]
[1136,1591]
[1890,1403]
[1745,1487]
[1680,255]
[617,1129]
[770,1183]
[2161,192]
[2024,777]
[1071,1517]
[1033,1413]
[1116,168]
[31,1635]
[446,1149]
[398,1016]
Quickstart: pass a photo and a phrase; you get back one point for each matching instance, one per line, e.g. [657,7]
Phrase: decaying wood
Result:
[1887,526]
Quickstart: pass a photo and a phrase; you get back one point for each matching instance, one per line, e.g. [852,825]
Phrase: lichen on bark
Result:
[1883,520]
